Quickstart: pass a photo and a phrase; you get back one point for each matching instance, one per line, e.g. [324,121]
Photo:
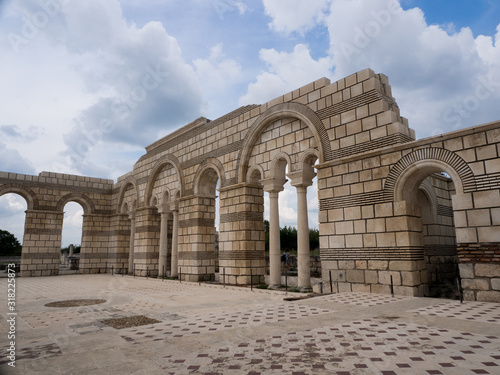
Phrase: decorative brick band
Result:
[146,256]
[196,255]
[109,233]
[388,253]
[440,250]
[196,223]
[488,182]
[479,253]
[444,210]
[43,231]
[242,216]
[147,229]
[359,148]
[94,256]
[353,103]
[353,200]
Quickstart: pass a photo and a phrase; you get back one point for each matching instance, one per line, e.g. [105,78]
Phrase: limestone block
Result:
[474,140]
[409,291]
[466,235]
[486,199]
[368,212]
[384,277]
[489,296]
[476,284]
[375,225]
[411,278]
[488,234]
[466,270]
[402,265]
[369,240]
[371,277]
[355,240]
[386,239]
[336,242]
[352,213]
[462,201]
[378,265]
[478,218]
[383,210]
[344,287]
[381,289]
[361,288]
[495,216]
[346,264]
[487,270]
[495,284]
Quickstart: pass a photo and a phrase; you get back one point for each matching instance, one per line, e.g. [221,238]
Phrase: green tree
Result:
[9,245]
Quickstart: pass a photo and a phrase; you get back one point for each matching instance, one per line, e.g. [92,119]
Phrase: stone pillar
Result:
[301,180]
[273,187]
[162,259]
[41,243]
[175,240]
[241,234]
[71,250]
[132,243]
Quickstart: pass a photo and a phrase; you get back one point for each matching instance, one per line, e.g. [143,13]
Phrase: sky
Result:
[86,85]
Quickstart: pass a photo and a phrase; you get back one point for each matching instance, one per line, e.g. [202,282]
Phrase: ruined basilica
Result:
[391,208]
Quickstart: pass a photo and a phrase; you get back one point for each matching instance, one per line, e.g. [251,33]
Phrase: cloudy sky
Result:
[87,81]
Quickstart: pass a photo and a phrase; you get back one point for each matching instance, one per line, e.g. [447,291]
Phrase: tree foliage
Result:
[9,245]
[288,238]
[76,249]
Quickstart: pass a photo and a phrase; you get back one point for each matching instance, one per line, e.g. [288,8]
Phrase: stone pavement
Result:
[208,329]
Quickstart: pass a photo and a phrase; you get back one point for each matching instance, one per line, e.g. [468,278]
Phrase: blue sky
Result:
[69,64]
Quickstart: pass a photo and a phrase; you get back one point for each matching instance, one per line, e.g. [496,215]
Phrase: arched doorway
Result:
[72,233]
[12,219]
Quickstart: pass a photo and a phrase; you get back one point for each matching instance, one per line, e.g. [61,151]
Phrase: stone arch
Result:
[160,163]
[29,195]
[203,174]
[284,110]
[130,180]
[86,203]
[252,174]
[277,167]
[307,156]
[427,189]
[407,174]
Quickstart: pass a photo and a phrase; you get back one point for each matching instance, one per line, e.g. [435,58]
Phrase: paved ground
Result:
[208,329]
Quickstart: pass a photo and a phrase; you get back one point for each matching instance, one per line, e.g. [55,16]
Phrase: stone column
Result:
[175,233]
[303,251]
[162,263]
[132,244]
[301,180]
[273,187]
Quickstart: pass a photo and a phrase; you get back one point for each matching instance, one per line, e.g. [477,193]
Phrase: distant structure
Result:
[416,213]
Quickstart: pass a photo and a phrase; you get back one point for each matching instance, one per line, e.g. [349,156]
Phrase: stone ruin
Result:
[418,213]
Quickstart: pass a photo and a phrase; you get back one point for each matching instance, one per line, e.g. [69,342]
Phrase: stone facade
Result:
[391,207]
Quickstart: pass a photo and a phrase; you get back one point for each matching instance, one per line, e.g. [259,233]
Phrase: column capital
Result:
[163,208]
[301,178]
[274,184]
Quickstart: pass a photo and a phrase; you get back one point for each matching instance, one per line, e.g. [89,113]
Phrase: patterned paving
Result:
[221,321]
[362,347]
[475,312]
[362,299]
[207,329]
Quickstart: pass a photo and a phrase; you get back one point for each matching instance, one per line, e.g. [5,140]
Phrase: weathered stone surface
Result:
[487,270]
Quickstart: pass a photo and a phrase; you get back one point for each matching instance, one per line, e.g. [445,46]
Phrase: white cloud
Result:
[294,15]
[286,71]
[129,84]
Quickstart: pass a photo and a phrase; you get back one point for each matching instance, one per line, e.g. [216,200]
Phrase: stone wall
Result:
[385,208]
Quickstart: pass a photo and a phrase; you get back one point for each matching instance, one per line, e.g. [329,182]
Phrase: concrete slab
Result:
[208,329]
